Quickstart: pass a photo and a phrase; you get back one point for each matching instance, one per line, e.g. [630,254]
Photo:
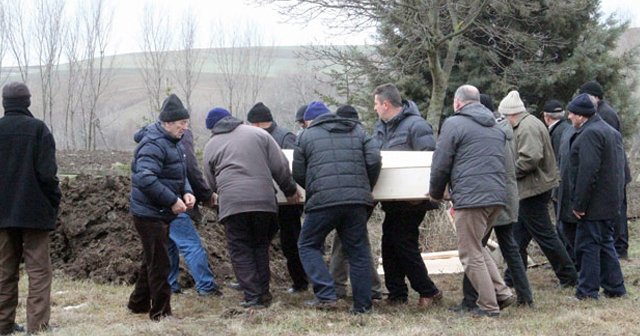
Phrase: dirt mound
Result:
[95,238]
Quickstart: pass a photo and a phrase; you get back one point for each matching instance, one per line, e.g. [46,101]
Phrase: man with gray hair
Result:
[537,174]
[470,158]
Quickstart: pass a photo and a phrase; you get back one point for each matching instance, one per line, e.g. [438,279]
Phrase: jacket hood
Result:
[226,125]
[334,124]
[18,110]
[505,126]
[153,131]
[478,113]
[408,108]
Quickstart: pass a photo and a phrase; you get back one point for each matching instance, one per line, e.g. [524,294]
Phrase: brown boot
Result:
[426,302]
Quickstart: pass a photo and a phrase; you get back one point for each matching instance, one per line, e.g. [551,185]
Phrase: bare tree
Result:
[17,32]
[73,88]
[3,38]
[244,63]
[155,44]
[48,26]
[188,61]
[94,69]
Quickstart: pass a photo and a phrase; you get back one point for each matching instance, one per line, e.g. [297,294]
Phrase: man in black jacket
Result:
[401,128]
[337,164]
[610,116]
[28,207]
[596,172]
[288,214]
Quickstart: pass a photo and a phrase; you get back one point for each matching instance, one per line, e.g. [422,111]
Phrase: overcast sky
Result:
[127,14]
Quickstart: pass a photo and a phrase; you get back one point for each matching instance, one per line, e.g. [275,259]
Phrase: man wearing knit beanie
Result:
[596,182]
[610,115]
[347,111]
[537,175]
[240,164]
[338,165]
[29,203]
[160,192]
[259,113]
[288,214]
[401,128]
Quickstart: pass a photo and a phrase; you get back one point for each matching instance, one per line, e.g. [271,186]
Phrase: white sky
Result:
[127,14]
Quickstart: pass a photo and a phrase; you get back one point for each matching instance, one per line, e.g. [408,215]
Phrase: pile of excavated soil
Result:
[95,238]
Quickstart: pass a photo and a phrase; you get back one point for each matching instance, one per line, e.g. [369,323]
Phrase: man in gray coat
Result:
[240,163]
[470,157]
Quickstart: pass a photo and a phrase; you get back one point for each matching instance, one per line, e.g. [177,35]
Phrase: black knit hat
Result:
[16,95]
[259,113]
[486,100]
[300,113]
[172,109]
[582,105]
[347,111]
[552,106]
[593,88]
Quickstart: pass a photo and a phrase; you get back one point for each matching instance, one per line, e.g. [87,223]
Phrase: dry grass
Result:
[84,308]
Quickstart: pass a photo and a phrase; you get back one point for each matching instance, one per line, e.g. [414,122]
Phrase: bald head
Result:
[464,95]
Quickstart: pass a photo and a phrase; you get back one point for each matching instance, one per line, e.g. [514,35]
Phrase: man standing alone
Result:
[28,208]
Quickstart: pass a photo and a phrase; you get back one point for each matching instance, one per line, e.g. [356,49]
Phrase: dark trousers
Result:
[289,221]
[33,245]
[568,230]
[511,255]
[621,230]
[401,254]
[152,292]
[249,236]
[534,222]
[599,265]
[350,223]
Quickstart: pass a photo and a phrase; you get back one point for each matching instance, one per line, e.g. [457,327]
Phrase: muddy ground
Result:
[95,238]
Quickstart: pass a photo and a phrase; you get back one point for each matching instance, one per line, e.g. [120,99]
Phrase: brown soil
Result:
[95,238]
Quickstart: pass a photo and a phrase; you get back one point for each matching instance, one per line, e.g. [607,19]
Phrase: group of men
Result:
[499,168]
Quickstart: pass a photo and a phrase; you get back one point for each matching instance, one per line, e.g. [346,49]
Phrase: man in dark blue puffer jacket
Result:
[160,191]
[337,164]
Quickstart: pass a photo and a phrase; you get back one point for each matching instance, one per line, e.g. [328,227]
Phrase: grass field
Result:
[84,308]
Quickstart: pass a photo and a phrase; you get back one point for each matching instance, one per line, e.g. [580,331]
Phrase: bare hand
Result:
[295,198]
[189,200]
[178,207]
[213,201]
[578,215]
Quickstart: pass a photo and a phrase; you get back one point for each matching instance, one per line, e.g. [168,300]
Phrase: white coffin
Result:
[404,176]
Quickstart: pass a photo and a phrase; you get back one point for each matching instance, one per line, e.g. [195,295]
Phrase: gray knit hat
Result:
[511,104]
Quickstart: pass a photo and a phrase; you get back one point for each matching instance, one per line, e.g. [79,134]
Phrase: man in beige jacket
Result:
[537,175]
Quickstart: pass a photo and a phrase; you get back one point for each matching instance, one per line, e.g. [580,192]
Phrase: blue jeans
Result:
[599,265]
[185,239]
[350,222]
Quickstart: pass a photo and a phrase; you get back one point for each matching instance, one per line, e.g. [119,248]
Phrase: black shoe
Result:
[215,292]
[253,304]
[526,304]
[234,285]
[361,311]
[614,296]
[176,291]
[507,302]
[321,304]
[569,284]
[341,296]
[461,308]
[376,296]
[295,290]
[16,328]
[477,312]
[266,299]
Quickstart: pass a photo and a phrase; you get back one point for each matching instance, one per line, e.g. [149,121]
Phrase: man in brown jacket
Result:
[240,162]
[537,175]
